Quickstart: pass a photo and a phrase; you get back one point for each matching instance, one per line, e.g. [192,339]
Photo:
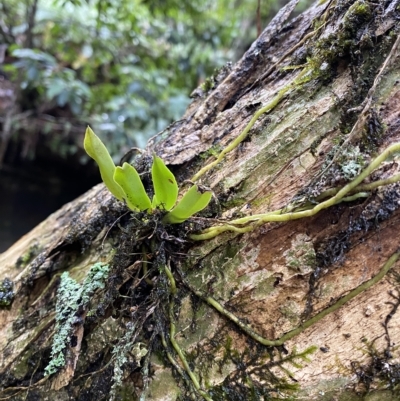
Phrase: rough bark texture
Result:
[321,134]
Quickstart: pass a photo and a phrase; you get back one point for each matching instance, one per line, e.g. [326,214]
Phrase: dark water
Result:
[30,192]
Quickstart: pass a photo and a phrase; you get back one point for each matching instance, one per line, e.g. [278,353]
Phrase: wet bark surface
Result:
[321,134]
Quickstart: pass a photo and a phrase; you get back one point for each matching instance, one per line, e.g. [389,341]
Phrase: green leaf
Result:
[192,202]
[135,195]
[165,186]
[96,150]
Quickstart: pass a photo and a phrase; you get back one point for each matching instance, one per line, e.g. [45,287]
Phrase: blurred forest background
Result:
[126,67]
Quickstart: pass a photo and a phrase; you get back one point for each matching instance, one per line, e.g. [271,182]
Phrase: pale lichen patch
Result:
[162,385]
[291,312]
[207,321]
[299,259]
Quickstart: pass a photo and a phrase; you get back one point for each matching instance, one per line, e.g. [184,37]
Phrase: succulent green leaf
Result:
[165,186]
[129,180]
[192,202]
[96,150]
[154,202]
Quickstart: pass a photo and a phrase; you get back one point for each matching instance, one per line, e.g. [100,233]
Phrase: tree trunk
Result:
[287,286]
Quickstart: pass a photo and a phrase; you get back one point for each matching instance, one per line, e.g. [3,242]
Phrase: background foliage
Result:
[127,67]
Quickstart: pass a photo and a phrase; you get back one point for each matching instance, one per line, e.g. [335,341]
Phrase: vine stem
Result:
[362,187]
[175,345]
[308,323]
[251,222]
[268,107]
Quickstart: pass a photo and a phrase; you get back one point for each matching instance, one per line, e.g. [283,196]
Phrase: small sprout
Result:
[135,195]
[125,184]
[192,202]
[165,186]
[95,148]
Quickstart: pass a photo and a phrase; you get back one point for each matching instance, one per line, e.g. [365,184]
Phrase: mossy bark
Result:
[320,135]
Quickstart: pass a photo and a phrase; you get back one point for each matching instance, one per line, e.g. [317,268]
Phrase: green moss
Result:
[263,383]
[382,371]
[234,202]
[28,256]
[357,14]
[126,392]
[327,51]
[264,288]
[208,84]
[213,151]
[341,389]
[21,368]
[262,200]
[384,395]
[301,256]
[291,310]
[218,75]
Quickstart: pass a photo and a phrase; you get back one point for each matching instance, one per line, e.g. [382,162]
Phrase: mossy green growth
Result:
[22,366]
[301,257]
[6,292]
[72,296]
[234,202]
[381,371]
[218,75]
[27,257]
[265,382]
[213,151]
[208,84]
[357,13]
[326,52]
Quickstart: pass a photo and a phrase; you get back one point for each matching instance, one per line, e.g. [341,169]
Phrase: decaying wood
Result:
[274,278]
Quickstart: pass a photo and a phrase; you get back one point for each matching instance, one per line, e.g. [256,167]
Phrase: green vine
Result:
[172,333]
[308,323]
[249,223]
[242,136]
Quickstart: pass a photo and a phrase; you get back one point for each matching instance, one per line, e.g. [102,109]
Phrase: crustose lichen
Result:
[72,296]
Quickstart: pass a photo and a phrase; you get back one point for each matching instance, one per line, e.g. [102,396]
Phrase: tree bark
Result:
[284,287]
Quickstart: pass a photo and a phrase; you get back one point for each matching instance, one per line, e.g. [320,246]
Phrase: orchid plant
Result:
[125,184]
